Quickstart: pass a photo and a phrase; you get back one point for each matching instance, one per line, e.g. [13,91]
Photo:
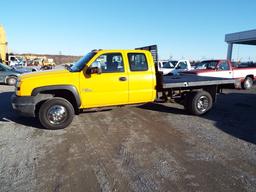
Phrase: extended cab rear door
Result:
[108,88]
[141,77]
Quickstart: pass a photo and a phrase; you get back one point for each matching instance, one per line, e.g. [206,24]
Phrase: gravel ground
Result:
[153,147]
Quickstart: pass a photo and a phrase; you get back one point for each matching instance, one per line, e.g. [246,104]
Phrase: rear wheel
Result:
[11,80]
[248,82]
[199,102]
[56,113]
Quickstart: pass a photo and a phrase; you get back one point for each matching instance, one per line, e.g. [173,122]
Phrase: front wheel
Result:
[248,82]
[56,113]
[199,102]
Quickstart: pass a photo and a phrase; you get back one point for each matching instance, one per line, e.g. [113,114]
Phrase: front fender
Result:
[70,88]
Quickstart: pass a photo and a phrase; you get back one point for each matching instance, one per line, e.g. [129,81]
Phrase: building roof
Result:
[244,37]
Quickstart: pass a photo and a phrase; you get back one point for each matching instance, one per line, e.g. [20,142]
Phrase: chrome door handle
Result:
[122,78]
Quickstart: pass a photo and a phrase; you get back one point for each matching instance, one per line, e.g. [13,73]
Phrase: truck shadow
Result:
[234,114]
[8,115]
[162,108]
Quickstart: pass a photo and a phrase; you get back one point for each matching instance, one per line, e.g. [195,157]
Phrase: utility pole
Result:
[60,57]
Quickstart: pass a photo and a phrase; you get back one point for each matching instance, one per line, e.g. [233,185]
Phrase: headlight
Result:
[18,83]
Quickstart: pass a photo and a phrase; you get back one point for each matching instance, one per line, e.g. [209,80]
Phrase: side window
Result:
[109,63]
[223,66]
[137,62]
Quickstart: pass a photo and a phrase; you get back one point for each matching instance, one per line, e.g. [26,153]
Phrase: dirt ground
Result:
[153,147]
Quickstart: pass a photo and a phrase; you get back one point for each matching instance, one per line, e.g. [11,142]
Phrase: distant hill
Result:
[58,59]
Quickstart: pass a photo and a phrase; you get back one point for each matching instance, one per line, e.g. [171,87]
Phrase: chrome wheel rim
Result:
[57,114]
[202,104]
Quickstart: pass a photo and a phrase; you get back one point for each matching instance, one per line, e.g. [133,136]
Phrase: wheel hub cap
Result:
[56,114]
[12,81]
[203,103]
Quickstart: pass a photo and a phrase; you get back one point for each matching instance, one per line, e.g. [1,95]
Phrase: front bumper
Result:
[26,105]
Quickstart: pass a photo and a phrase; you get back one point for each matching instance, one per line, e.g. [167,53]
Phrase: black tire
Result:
[11,80]
[56,113]
[247,84]
[199,102]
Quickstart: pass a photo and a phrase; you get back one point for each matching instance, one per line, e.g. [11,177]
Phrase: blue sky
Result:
[193,29]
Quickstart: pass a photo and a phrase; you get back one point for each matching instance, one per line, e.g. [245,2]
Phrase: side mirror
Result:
[93,70]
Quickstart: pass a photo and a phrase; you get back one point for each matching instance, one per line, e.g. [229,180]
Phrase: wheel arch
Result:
[68,92]
[251,76]
[8,76]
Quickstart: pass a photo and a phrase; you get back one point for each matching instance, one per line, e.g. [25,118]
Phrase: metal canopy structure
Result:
[244,37]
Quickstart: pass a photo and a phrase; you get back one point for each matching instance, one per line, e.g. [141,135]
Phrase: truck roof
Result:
[214,60]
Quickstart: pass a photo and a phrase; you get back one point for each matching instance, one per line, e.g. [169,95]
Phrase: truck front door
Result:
[223,70]
[110,87]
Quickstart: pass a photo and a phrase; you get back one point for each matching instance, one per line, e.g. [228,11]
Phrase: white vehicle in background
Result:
[16,61]
[173,67]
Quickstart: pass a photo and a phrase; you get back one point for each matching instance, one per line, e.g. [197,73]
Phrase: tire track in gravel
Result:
[102,147]
[124,150]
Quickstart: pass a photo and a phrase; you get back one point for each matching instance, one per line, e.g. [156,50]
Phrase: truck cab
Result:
[116,78]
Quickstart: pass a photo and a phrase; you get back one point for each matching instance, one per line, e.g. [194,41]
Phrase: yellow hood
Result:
[29,81]
[45,74]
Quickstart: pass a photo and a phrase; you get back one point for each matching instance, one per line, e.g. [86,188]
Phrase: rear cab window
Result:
[137,62]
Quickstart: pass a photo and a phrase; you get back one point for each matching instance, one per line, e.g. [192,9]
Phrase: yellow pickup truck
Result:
[104,78]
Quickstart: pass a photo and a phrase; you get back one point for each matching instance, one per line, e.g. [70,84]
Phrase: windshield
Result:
[79,65]
[207,65]
[5,66]
[174,63]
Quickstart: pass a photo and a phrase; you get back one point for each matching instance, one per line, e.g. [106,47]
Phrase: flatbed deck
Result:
[187,80]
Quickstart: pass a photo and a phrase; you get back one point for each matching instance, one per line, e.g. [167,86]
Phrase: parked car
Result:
[173,67]
[8,75]
[27,69]
[226,69]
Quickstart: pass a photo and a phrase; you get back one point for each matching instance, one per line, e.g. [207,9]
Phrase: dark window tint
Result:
[206,65]
[168,65]
[137,62]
